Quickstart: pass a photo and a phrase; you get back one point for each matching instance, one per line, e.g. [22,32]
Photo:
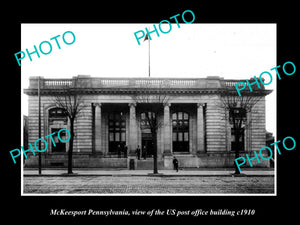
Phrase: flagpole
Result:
[147,38]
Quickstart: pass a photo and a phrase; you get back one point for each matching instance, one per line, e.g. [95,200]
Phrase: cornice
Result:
[129,91]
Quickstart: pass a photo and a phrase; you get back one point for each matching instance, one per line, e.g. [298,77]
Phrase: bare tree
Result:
[153,97]
[238,107]
[71,102]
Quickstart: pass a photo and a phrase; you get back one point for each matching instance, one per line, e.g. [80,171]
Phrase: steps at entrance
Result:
[147,164]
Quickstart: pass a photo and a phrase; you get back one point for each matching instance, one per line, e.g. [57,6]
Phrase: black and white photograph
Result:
[162,115]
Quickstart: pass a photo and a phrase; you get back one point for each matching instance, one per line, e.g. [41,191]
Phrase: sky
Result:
[231,51]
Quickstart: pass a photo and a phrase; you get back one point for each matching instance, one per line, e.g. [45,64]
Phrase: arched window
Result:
[117,132]
[147,117]
[57,114]
[180,135]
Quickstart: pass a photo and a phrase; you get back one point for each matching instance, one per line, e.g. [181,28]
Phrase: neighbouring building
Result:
[194,128]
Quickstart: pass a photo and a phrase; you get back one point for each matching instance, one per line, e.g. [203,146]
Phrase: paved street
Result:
[147,185]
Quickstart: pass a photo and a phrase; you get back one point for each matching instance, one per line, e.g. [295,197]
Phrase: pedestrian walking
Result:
[175,163]
[138,152]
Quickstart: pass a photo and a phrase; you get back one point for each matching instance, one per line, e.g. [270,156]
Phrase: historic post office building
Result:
[195,128]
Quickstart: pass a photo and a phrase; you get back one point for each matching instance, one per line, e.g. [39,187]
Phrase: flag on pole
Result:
[146,37]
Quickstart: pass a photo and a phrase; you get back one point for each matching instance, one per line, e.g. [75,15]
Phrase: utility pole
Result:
[145,39]
[39,96]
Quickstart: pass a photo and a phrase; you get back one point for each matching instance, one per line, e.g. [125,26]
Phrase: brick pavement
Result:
[147,185]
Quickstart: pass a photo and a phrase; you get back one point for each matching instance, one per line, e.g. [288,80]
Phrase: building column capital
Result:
[97,104]
[167,104]
[200,104]
[132,104]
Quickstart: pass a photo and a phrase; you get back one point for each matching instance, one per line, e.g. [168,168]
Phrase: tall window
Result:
[237,119]
[117,131]
[180,136]
[59,146]
[57,117]
[238,145]
[145,126]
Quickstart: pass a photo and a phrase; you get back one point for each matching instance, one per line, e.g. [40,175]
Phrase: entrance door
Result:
[147,145]
[59,146]
[147,142]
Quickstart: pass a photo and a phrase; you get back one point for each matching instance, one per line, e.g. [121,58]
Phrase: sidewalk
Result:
[162,173]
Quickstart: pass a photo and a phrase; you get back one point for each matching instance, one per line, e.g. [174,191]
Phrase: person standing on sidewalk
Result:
[175,163]
[125,151]
[138,152]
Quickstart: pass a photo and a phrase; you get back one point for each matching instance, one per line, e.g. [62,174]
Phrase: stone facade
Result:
[195,128]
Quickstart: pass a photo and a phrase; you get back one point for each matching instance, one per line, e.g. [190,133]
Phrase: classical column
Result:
[200,128]
[228,131]
[167,130]
[98,127]
[132,129]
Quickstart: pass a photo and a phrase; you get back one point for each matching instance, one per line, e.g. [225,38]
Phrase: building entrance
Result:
[147,146]
[147,142]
